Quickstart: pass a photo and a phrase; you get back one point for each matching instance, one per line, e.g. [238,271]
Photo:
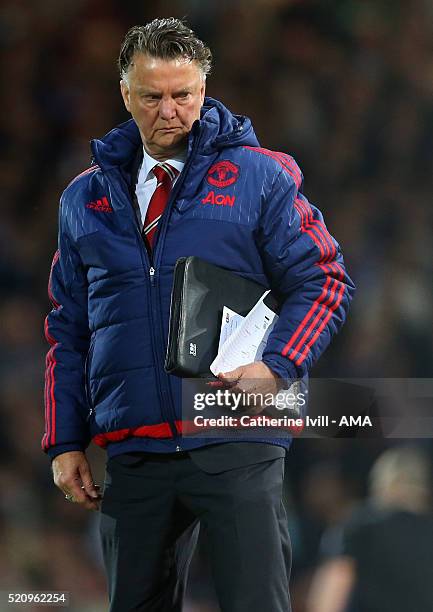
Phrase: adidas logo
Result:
[102,205]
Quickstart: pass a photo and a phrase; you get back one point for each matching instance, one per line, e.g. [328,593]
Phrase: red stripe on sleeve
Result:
[48,383]
[292,164]
[50,395]
[307,317]
[321,229]
[313,236]
[287,163]
[319,330]
[50,291]
[330,299]
[44,438]
[336,269]
[294,172]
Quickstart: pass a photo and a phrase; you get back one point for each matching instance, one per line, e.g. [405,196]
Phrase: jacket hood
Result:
[217,128]
[222,128]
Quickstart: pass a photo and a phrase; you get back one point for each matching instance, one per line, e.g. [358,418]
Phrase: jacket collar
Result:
[217,128]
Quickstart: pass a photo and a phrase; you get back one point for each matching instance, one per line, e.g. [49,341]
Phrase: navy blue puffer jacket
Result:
[234,204]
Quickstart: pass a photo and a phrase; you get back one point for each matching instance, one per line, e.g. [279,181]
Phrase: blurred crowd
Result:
[346,87]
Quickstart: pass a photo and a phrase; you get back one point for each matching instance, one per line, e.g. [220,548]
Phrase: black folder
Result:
[200,291]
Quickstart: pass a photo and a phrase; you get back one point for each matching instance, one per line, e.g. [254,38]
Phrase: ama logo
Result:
[223,174]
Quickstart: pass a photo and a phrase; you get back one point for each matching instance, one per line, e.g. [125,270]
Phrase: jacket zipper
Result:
[150,271]
[160,237]
[152,268]
[152,320]
[168,416]
[163,390]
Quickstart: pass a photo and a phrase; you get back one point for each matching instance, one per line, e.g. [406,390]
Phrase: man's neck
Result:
[161,156]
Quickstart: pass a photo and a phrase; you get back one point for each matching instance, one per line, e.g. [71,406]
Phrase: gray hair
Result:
[165,39]
[401,473]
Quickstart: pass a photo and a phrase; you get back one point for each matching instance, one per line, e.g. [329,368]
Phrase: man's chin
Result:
[171,140]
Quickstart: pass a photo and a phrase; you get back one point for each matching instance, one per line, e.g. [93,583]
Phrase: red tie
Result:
[165,176]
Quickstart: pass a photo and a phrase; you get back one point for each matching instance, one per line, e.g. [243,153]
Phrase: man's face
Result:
[164,97]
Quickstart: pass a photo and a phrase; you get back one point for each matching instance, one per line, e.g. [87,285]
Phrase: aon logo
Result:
[219,199]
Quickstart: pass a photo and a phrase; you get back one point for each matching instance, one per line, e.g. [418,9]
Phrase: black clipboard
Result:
[200,291]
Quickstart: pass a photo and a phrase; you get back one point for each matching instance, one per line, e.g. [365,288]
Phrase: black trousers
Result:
[149,522]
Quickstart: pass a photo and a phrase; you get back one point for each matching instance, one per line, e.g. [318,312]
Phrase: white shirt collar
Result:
[149,163]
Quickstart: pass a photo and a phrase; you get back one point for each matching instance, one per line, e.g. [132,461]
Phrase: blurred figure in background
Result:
[380,560]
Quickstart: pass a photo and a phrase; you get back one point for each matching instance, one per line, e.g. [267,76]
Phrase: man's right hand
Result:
[72,474]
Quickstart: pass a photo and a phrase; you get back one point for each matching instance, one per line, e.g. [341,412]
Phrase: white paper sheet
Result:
[243,340]
[247,341]
[229,324]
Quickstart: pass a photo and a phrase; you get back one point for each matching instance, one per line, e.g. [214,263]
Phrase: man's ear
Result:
[124,90]
[203,90]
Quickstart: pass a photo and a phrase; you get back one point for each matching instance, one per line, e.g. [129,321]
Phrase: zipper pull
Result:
[152,275]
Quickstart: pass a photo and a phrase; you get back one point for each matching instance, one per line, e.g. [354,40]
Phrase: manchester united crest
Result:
[223,173]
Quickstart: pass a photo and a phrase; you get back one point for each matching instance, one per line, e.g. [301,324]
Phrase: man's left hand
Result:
[253,378]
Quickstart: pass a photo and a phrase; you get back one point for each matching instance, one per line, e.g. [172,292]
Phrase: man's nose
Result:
[167,108]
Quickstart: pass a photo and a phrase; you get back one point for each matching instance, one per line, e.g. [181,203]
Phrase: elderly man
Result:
[183,177]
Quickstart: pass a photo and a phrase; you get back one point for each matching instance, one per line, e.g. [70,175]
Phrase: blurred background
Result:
[346,87]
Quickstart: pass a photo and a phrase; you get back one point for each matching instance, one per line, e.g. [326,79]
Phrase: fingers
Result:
[237,382]
[88,486]
[78,495]
[73,487]
[251,378]
[250,381]
[88,503]
[241,383]
[215,384]
[73,477]
[231,378]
